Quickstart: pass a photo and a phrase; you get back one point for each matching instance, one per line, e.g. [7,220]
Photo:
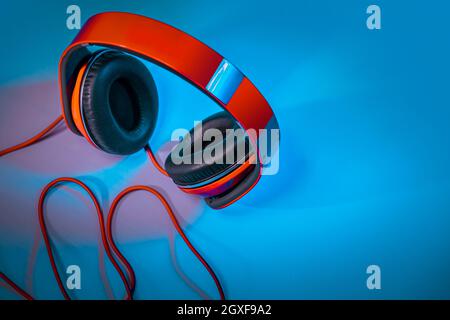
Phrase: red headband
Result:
[174,50]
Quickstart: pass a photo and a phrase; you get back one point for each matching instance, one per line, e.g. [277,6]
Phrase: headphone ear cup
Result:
[119,102]
[237,191]
[217,175]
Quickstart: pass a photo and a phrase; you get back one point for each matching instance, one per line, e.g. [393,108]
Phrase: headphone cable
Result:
[106,233]
[47,188]
[175,223]
[15,287]
[33,139]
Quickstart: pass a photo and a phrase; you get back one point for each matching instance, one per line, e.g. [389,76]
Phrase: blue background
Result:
[364,175]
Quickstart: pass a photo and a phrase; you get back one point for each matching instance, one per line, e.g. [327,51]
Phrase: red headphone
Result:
[110,98]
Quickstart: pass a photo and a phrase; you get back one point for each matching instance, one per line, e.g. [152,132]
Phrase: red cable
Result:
[175,223]
[107,238]
[154,161]
[16,288]
[19,146]
[48,247]
[33,139]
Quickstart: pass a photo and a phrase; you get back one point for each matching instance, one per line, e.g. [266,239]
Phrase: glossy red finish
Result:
[75,105]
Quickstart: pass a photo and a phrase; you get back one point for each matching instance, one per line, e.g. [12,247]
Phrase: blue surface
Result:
[364,162]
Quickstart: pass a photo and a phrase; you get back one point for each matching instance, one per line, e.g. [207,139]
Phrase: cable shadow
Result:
[179,271]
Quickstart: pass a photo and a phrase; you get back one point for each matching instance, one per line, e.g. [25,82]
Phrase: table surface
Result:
[364,176]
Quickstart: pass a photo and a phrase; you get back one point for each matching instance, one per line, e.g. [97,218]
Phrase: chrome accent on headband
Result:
[224,82]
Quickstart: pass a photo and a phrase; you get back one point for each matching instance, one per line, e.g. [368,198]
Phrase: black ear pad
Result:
[119,102]
[190,174]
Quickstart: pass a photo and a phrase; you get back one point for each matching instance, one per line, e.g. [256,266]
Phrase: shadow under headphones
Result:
[110,98]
